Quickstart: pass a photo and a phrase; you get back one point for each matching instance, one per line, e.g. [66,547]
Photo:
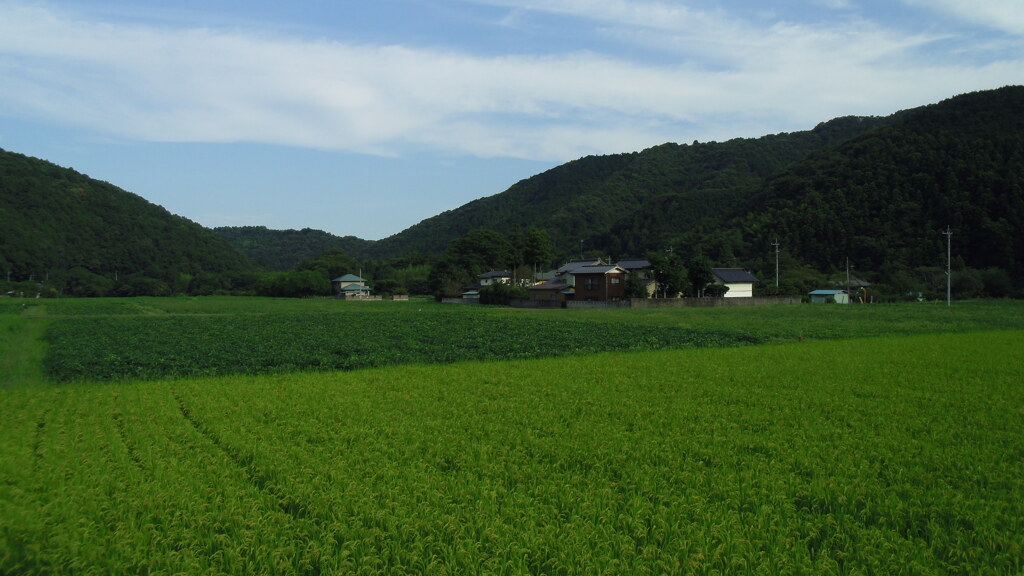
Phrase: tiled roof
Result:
[600,269]
[634,263]
[572,265]
[495,274]
[733,275]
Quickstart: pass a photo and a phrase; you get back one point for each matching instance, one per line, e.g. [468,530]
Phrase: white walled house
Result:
[495,277]
[740,282]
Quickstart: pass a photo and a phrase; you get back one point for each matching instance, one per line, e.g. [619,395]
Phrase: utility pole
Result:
[776,244]
[847,276]
[949,269]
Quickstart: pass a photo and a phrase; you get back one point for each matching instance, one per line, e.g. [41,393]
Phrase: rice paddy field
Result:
[255,436]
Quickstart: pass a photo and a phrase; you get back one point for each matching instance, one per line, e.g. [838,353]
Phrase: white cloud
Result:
[1005,15]
[726,77]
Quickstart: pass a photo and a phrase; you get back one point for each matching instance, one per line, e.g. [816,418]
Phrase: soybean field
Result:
[821,440]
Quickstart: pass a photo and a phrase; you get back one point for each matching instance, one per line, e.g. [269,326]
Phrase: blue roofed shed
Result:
[824,296]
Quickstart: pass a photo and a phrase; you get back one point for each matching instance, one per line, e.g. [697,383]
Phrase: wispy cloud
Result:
[723,76]
[1005,15]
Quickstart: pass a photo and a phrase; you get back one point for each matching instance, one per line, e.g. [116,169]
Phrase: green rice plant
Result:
[877,455]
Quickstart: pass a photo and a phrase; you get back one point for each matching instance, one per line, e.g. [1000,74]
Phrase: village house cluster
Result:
[595,280]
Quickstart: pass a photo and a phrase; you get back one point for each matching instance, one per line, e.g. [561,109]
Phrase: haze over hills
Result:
[877,191]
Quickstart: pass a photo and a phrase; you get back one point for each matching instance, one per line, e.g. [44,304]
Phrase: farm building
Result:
[551,290]
[739,281]
[825,296]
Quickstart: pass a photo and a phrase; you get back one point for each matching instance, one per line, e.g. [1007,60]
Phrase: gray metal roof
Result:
[572,265]
[599,269]
[733,275]
[634,263]
[495,274]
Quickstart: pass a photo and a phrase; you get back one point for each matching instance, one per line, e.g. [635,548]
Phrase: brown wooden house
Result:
[602,282]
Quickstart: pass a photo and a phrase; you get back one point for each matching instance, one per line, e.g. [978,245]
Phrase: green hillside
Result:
[884,199]
[586,198]
[283,250]
[582,200]
[874,192]
[81,236]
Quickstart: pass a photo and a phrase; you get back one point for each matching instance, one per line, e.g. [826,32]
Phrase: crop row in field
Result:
[881,456]
[147,347]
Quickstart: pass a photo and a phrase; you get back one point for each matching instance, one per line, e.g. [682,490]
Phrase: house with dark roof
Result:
[634,264]
[640,267]
[571,266]
[556,290]
[739,281]
[600,282]
[495,277]
[560,284]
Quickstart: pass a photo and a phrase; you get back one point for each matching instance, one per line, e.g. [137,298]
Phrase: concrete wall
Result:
[661,302]
[712,302]
[531,303]
[474,301]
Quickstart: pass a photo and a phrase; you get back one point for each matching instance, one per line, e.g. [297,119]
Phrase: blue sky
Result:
[364,117]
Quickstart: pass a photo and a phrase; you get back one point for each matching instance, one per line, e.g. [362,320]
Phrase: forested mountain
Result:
[282,250]
[883,199]
[86,237]
[876,193]
[872,193]
[586,198]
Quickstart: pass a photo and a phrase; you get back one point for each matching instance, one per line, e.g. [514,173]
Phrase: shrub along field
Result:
[891,454]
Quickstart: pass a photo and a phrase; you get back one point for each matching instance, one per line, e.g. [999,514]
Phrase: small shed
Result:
[555,290]
[825,296]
